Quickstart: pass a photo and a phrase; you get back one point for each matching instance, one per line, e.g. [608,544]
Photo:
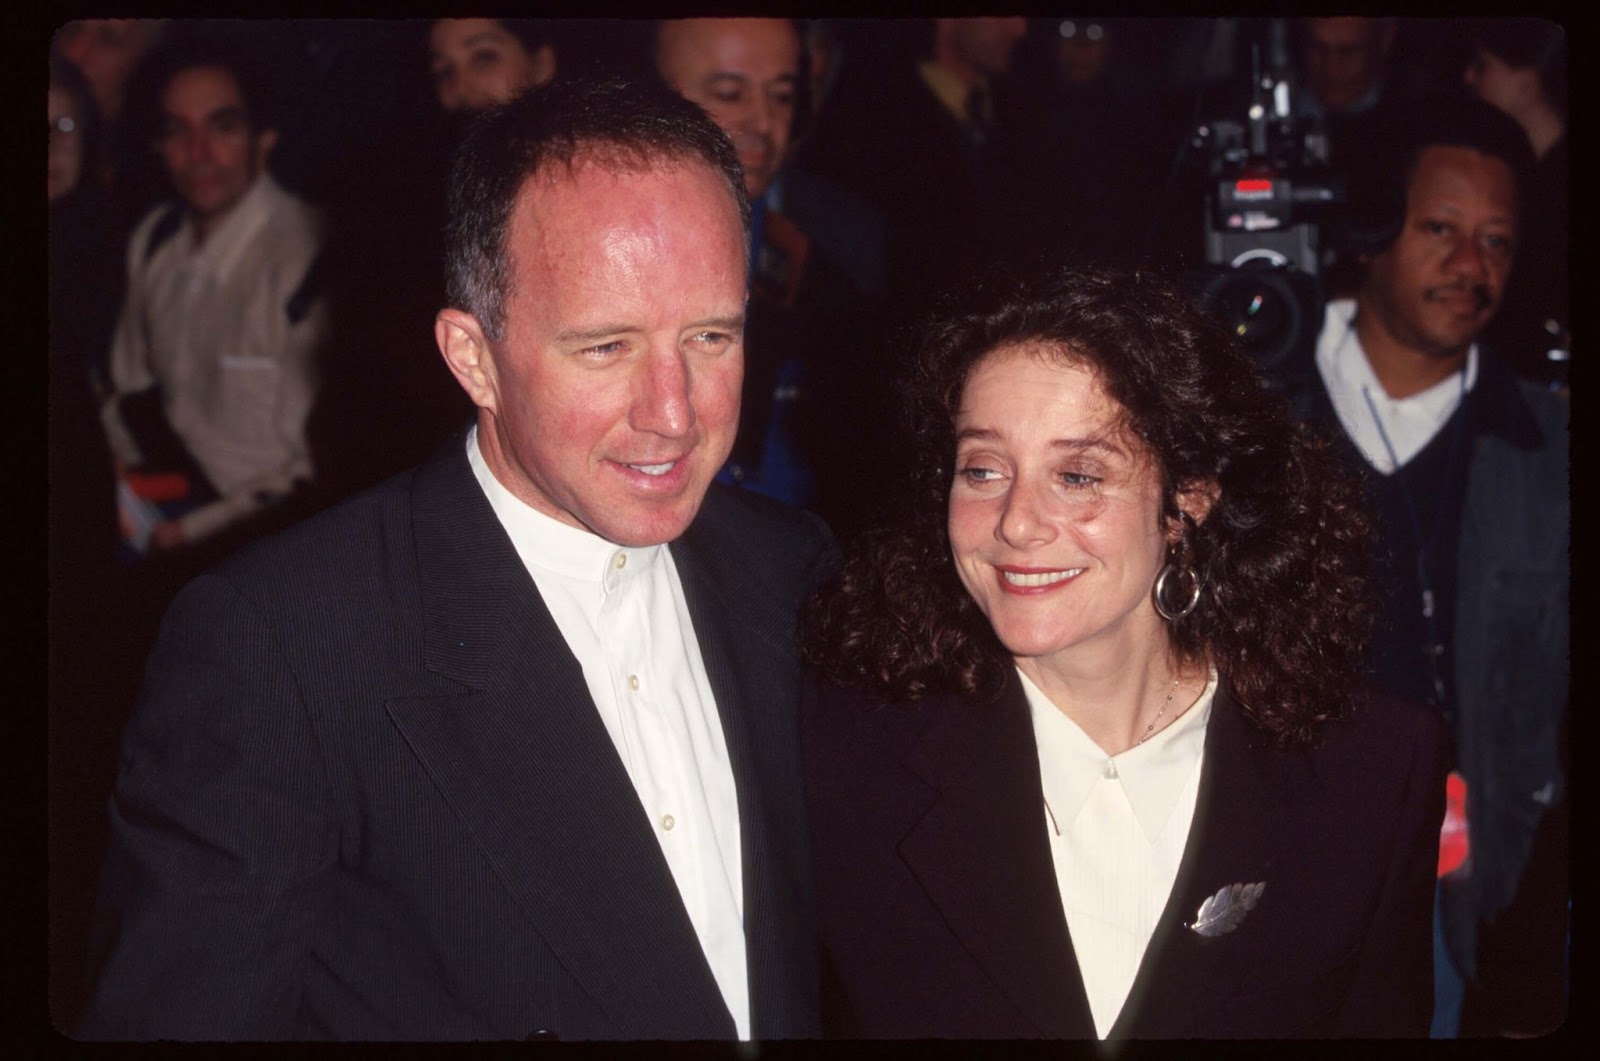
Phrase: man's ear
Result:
[1195,501]
[468,353]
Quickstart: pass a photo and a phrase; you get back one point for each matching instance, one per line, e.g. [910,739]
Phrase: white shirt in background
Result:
[1409,422]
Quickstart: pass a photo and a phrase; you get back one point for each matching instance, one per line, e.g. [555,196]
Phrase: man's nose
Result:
[662,402]
[1467,259]
[197,146]
[758,115]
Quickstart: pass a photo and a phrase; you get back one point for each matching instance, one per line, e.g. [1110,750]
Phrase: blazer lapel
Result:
[747,643]
[983,858]
[526,763]
[1233,838]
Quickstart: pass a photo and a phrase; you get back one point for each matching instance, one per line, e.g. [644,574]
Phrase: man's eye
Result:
[1078,480]
[603,349]
[485,59]
[978,474]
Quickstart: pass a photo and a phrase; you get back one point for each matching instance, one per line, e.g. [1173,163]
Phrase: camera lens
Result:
[1258,313]
[1264,309]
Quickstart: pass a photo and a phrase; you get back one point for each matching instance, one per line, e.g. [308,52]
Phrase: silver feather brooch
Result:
[1224,911]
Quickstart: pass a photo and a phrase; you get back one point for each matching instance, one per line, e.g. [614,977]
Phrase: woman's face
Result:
[65,158]
[1495,81]
[1055,510]
[477,64]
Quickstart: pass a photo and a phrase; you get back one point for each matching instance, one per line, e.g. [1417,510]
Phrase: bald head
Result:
[745,73]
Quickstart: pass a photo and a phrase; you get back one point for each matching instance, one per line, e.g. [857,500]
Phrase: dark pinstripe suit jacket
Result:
[365,793]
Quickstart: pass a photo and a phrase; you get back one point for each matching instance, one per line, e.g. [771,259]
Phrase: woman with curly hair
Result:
[1088,752]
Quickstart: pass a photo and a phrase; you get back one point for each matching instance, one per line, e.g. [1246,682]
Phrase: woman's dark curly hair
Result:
[1285,608]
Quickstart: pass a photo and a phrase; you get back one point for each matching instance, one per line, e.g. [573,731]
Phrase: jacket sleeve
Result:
[223,837]
[1392,993]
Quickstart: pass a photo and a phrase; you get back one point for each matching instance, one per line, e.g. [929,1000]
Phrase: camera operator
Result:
[1467,469]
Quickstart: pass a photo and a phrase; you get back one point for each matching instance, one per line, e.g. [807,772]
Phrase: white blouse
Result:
[1117,825]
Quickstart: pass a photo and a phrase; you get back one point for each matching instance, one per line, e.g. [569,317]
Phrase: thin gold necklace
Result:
[1151,728]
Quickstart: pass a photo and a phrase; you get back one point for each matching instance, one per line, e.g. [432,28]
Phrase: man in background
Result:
[1467,468]
[816,261]
[213,362]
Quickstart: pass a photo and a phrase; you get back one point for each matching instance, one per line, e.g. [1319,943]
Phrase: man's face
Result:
[212,151]
[744,72]
[613,396]
[986,44]
[1343,59]
[1441,280]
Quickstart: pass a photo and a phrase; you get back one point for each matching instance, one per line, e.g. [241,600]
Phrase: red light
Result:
[1252,187]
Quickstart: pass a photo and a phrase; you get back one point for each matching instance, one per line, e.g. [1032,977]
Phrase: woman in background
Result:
[480,62]
[1087,750]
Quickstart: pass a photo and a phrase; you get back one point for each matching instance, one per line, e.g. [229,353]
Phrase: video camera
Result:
[1268,184]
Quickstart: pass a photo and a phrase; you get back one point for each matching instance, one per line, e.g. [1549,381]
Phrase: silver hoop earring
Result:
[1167,611]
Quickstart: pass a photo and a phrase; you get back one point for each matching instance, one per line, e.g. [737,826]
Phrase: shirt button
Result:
[633,682]
[621,561]
[1110,772]
[667,822]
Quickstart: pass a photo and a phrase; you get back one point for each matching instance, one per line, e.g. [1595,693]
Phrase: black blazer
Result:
[940,916]
[365,793]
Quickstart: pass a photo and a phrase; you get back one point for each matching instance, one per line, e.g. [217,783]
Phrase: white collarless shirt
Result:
[1118,826]
[623,614]
[1410,423]
[210,323]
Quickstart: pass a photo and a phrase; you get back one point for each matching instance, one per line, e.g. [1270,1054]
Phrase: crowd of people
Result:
[468,433]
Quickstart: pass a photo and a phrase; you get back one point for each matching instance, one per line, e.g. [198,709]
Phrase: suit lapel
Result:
[748,648]
[526,763]
[983,858]
[1239,814]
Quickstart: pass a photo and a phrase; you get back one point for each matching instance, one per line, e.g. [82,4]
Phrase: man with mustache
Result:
[1467,473]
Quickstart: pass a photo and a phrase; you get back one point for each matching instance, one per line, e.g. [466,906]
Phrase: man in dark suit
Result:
[505,747]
